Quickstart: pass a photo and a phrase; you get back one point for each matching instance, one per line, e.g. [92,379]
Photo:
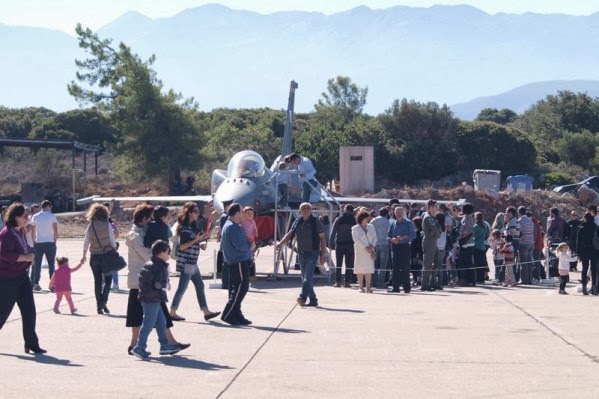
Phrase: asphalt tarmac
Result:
[483,342]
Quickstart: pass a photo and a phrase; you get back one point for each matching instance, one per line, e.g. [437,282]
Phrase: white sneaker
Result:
[115,287]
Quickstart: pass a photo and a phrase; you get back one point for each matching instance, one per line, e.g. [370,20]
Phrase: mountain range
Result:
[241,59]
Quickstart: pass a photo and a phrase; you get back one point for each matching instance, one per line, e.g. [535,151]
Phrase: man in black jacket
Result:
[342,242]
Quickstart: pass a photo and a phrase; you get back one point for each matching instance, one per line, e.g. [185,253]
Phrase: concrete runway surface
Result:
[483,342]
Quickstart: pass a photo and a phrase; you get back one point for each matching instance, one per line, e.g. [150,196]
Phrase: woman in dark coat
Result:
[587,253]
[15,286]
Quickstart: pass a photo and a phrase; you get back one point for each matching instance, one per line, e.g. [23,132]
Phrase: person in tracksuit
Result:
[431,231]
[237,253]
[342,242]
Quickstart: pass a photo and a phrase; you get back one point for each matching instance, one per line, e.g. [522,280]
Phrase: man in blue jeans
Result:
[44,233]
[311,243]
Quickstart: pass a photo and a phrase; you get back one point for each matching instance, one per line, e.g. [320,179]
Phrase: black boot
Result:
[594,290]
[584,289]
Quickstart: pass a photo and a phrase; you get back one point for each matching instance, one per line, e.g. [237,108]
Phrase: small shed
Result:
[485,179]
[519,183]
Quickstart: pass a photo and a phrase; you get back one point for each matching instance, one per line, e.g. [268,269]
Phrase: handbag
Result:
[111,260]
[373,253]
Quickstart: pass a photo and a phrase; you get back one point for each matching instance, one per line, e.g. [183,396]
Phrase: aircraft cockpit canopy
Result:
[246,164]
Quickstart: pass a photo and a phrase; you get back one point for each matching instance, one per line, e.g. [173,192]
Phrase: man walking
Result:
[237,254]
[401,232]
[311,243]
[44,233]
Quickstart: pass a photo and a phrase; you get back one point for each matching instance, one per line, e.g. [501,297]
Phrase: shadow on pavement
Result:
[185,362]
[44,359]
[283,330]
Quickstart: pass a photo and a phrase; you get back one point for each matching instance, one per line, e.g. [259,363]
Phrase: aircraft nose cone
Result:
[240,190]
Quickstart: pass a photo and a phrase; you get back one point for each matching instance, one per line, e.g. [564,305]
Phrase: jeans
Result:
[307,189]
[196,279]
[344,251]
[115,278]
[39,250]
[442,270]
[307,261]
[18,290]
[284,193]
[153,317]
[239,284]
[101,292]
[380,265]
[525,256]
[401,266]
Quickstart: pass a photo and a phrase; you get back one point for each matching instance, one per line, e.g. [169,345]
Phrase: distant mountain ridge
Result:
[242,59]
[522,98]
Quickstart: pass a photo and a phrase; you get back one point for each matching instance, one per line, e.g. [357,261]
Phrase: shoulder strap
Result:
[96,234]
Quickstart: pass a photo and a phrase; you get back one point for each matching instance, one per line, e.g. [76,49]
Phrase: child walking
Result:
[507,249]
[61,283]
[153,282]
[565,257]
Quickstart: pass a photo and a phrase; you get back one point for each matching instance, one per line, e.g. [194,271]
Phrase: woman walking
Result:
[188,252]
[99,235]
[15,286]
[364,236]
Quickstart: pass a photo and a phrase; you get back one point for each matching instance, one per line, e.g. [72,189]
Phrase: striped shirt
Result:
[190,255]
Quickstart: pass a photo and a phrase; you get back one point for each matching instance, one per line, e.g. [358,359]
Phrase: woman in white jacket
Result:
[364,236]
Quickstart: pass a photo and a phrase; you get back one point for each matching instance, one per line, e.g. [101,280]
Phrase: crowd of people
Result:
[442,245]
[398,246]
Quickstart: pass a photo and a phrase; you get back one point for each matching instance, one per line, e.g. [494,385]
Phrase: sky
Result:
[65,14]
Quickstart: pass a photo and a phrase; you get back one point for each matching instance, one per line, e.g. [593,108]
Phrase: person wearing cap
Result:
[44,231]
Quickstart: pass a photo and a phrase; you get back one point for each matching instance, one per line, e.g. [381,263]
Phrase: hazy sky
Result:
[64,14]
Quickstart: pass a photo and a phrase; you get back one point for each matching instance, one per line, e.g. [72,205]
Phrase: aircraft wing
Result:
[172,198]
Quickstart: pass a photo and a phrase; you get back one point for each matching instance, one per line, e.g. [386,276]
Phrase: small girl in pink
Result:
[61,283]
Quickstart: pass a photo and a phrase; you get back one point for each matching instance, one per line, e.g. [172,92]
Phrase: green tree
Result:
[343,97]
[85,125]
[503,116]
[160,136]
[578,148]
[420,142]
[487,145]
